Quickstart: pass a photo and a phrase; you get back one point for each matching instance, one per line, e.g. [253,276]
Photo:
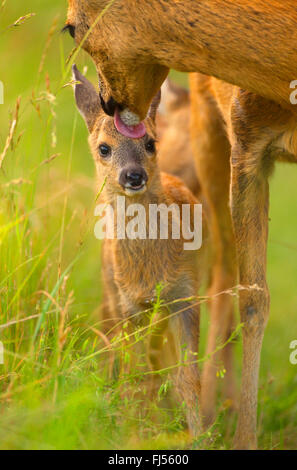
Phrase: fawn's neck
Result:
[126,207]
[131,215]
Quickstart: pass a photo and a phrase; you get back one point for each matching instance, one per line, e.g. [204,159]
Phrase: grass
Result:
[55,390]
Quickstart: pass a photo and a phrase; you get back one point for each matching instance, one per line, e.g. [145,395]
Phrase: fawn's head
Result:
[129,76]
[128,166]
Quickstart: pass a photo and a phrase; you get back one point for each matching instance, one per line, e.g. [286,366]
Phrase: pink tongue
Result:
[134,132]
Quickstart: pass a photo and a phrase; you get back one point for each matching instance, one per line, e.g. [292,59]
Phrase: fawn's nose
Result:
[133,178]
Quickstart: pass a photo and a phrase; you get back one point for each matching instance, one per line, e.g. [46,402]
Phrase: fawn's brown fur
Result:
[251,45]
[133,268]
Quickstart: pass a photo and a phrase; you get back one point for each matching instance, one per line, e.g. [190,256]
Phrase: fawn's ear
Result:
[86,97]
[154,106]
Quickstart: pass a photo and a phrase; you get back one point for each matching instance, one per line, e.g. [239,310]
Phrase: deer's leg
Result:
[250,216]
[220,329]
[251,164]
[212,157]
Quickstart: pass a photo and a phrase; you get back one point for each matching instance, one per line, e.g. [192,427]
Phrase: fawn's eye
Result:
[70,28]
[104,150]
[150,146]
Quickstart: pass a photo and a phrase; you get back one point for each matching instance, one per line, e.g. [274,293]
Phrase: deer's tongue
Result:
[134,132]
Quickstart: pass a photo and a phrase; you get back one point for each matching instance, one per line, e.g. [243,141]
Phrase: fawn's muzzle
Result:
[133,179]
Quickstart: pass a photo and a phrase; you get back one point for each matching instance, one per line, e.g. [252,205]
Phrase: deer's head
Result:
[129,77]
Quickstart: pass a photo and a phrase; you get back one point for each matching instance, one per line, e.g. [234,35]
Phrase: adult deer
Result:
[136,42]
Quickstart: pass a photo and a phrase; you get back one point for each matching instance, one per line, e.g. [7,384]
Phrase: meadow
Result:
[55,390]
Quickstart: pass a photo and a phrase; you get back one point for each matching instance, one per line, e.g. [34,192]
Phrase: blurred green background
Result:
[46,220]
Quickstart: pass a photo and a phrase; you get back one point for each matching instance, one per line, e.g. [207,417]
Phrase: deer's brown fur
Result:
[249,44]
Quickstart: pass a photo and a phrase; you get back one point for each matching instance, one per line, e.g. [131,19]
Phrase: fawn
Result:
[133,49]
[132,268]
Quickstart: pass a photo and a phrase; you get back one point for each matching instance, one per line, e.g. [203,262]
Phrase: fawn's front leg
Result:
[185,324]
[157,333]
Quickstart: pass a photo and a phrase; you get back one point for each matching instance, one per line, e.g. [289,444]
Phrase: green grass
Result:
[54,387]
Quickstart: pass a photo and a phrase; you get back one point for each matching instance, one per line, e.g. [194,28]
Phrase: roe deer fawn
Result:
[132,268]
